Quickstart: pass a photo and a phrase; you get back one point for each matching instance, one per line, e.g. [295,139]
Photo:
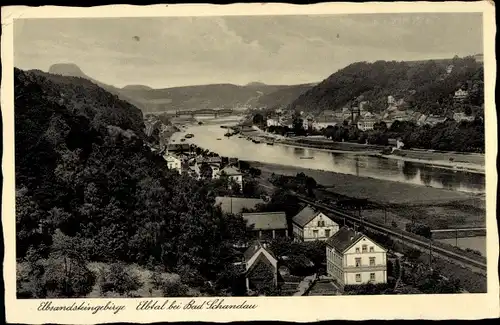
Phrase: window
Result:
[358,277]
[372,249]
[372,261]
[372,276]
[315,233]
[357,249]
[327,233]
[365,248]
[321,223]
[358,262]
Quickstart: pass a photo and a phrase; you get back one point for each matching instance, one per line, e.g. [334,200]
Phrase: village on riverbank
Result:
[317,238]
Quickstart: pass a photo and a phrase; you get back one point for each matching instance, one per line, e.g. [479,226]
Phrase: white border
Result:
[299,309]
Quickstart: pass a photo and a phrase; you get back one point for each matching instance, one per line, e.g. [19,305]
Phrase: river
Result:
[205,136]
[476,243]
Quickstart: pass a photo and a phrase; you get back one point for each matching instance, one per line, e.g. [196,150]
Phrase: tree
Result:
[205,171]
[258,119]
[119,279]
[297,123]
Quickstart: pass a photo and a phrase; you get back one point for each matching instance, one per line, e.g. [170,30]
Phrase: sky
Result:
[163,52]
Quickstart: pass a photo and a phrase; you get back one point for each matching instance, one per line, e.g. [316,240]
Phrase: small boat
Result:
[190,135]
[307,157]
[182,140]
[219,139]
[270,143]
[255,141]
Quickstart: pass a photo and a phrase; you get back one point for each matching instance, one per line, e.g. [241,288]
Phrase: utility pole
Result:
[456,238]
[385,214]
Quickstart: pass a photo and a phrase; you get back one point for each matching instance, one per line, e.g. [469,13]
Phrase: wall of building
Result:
[312,231]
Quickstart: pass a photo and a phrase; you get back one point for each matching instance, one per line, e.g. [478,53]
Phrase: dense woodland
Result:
[88,189]
[425,86]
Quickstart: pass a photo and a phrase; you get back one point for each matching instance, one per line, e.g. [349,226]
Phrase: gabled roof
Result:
[231,171]
[266,220]
[209,160]
[236,204]
[306,215]
[343,239]
[254,247]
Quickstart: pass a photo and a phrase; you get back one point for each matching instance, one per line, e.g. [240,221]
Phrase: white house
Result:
[213,162]
[173,162]
[234,174]
[352,258]
[461,94]
[272,122]
[366,123]
[310,224]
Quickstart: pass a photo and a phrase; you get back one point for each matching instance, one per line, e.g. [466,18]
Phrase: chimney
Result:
[351,238]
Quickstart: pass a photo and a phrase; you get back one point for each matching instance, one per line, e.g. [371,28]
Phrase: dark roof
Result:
[236,204]
[343,239]
[266,220]
[209,160]
[305,216]
[254,247]
[231,171]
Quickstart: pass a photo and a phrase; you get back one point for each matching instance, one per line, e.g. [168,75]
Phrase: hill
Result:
[136,87]
[72,70]
[191,97]
[89,189]
[283,97]
[425,86]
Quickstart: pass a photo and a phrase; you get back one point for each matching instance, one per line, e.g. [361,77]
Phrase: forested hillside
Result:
[88,189]
[282,97]
[426,86]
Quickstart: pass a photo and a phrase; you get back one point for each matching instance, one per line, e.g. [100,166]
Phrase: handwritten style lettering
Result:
[84,306]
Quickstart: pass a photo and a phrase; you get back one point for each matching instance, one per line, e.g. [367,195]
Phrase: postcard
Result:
[249,162]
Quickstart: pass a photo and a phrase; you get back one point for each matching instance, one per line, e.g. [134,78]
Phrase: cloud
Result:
[239,49]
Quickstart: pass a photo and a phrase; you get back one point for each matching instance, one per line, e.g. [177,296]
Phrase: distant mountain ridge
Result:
[224,95]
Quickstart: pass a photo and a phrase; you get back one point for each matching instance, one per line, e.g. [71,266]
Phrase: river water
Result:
[206,136]
[476,243]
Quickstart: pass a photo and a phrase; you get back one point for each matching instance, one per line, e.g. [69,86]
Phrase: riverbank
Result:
[469,162]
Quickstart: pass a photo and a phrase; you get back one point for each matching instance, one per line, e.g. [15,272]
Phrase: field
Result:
[397,203]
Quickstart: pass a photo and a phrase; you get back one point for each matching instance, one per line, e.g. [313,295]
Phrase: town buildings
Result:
[236,205]
[173,162]
[233,174]
[353,258]
[311,224]
[366,123]
[261,266]
[267,225]
[212,164]
[459,117]
[460,95]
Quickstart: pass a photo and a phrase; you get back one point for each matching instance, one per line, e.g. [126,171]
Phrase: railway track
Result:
[421,244]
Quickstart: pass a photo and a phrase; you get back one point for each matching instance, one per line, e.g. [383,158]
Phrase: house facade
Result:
[310,224]
[354,259]
[173,162]
[460,95]
[367,123]
[267,225]
[233,174]
[213,163]
[261,266]
[272,122]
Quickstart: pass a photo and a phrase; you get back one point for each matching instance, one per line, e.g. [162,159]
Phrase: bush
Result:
[119,279]
[174,289]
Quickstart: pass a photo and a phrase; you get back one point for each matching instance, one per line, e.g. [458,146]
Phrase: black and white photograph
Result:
[250,156]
